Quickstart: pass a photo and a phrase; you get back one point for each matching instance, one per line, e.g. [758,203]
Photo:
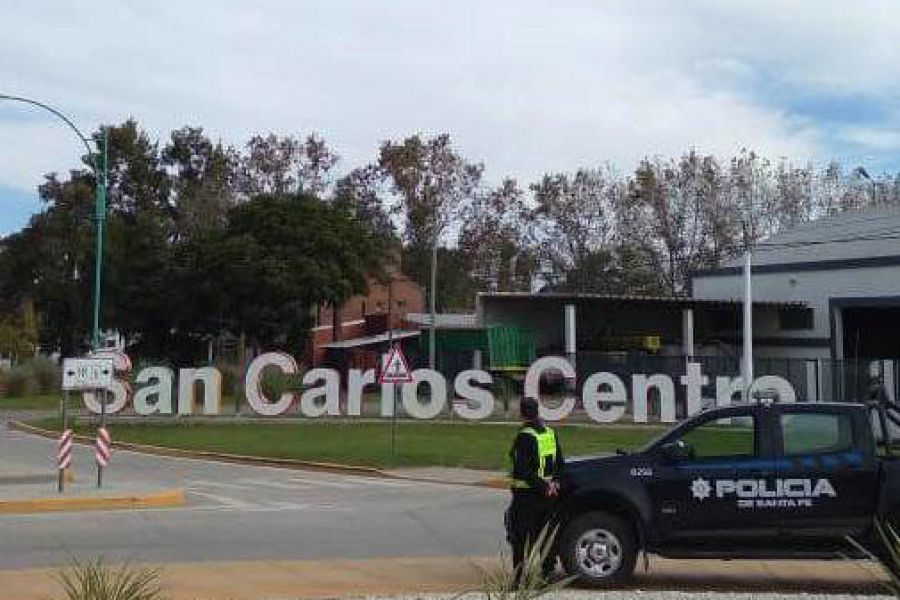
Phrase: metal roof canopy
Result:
[638,301]
[855,237]
[444,320]
[369,340]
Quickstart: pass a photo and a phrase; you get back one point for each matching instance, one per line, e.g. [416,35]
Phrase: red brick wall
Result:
[406,295]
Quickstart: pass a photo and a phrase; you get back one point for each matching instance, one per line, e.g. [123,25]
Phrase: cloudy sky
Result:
[526,86]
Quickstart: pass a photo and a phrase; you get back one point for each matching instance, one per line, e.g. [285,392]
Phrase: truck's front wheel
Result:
[599,549]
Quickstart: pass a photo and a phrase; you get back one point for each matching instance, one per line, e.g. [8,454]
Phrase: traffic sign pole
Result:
[86,374]
[64,418]
[102,428]
[395,370]
[395,393]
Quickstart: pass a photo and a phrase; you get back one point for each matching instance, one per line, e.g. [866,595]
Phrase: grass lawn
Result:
[42,402]
[418,444]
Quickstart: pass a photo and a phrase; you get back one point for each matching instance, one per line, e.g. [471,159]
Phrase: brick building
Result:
[355,332]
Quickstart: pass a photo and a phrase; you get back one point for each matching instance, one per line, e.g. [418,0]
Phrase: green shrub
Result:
[47,373]
[94,580]
[504,582]
[38,375]
[889,557]
[19,382]
[274,382]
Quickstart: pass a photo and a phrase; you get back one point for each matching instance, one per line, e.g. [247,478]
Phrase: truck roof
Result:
[803,406]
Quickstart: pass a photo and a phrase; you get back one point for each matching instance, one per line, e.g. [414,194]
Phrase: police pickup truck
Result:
[751,481]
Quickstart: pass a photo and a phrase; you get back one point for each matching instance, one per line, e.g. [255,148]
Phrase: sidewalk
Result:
[254,580]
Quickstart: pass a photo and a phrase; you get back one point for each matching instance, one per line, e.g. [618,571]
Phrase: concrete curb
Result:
[163,499]
[284,463]
[25,478]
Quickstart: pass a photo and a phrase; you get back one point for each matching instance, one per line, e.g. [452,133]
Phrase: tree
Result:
[574,227]
[142,223]
[359,193]
[287,165]
[674,209]
[19,332]
[137,181]
[456,286]
[495,239]
[204,178]
[283,255]
[53,261]
[793,195]
[315,165]
[433,183]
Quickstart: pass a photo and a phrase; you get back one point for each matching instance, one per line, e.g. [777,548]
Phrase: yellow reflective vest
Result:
[546,447]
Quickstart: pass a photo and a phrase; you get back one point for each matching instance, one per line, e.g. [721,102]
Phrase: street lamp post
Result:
[98,160]
[433,296]
[747,355]
[861,172]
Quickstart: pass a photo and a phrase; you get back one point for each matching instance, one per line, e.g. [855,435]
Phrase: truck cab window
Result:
[816,433]
[727,437]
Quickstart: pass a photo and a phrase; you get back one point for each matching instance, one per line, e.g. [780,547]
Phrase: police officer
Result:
[536,462]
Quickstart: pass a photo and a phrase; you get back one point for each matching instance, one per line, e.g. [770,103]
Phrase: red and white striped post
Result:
[64,455]
[101,452]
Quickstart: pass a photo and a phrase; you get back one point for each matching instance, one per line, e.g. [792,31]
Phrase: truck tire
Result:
[598,549]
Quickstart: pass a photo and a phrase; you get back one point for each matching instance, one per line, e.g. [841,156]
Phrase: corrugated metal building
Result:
[845,270]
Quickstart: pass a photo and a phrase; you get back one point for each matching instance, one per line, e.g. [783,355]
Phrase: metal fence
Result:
[813,380]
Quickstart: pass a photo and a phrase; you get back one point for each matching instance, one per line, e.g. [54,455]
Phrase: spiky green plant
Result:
[890,560]
[95,580]
[505,582]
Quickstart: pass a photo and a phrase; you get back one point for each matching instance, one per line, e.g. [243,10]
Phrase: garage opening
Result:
[871,333]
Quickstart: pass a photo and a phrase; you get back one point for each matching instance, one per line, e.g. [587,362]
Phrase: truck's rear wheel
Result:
[599,549]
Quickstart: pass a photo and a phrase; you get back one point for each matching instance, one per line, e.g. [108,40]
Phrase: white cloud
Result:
[883,139]
[526,86]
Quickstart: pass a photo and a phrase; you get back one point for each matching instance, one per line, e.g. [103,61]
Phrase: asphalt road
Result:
[237,512]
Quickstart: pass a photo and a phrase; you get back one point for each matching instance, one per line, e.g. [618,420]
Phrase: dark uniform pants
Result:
[527,514]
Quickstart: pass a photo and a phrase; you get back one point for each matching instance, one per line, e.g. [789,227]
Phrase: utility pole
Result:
[433,294]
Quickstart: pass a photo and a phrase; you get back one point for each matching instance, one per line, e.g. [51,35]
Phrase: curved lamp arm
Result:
[84,140]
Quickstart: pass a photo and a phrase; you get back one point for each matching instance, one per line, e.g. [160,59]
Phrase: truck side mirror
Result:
[677,451]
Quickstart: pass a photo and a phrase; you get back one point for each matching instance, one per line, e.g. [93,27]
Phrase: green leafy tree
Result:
[283,255]
[204,179]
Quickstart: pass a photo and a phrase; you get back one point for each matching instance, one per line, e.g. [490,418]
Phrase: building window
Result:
[795,318]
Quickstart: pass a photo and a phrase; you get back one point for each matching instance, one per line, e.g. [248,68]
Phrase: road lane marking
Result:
[383,483]
[297,486]
[325,483]
[224,500]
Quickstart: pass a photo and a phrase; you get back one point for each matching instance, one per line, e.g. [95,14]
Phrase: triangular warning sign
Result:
[395,368]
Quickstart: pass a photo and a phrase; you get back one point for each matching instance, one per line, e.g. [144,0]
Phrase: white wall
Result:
[815,288]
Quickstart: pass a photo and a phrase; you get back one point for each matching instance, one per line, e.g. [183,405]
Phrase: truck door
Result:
[705,497]
[828,473]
